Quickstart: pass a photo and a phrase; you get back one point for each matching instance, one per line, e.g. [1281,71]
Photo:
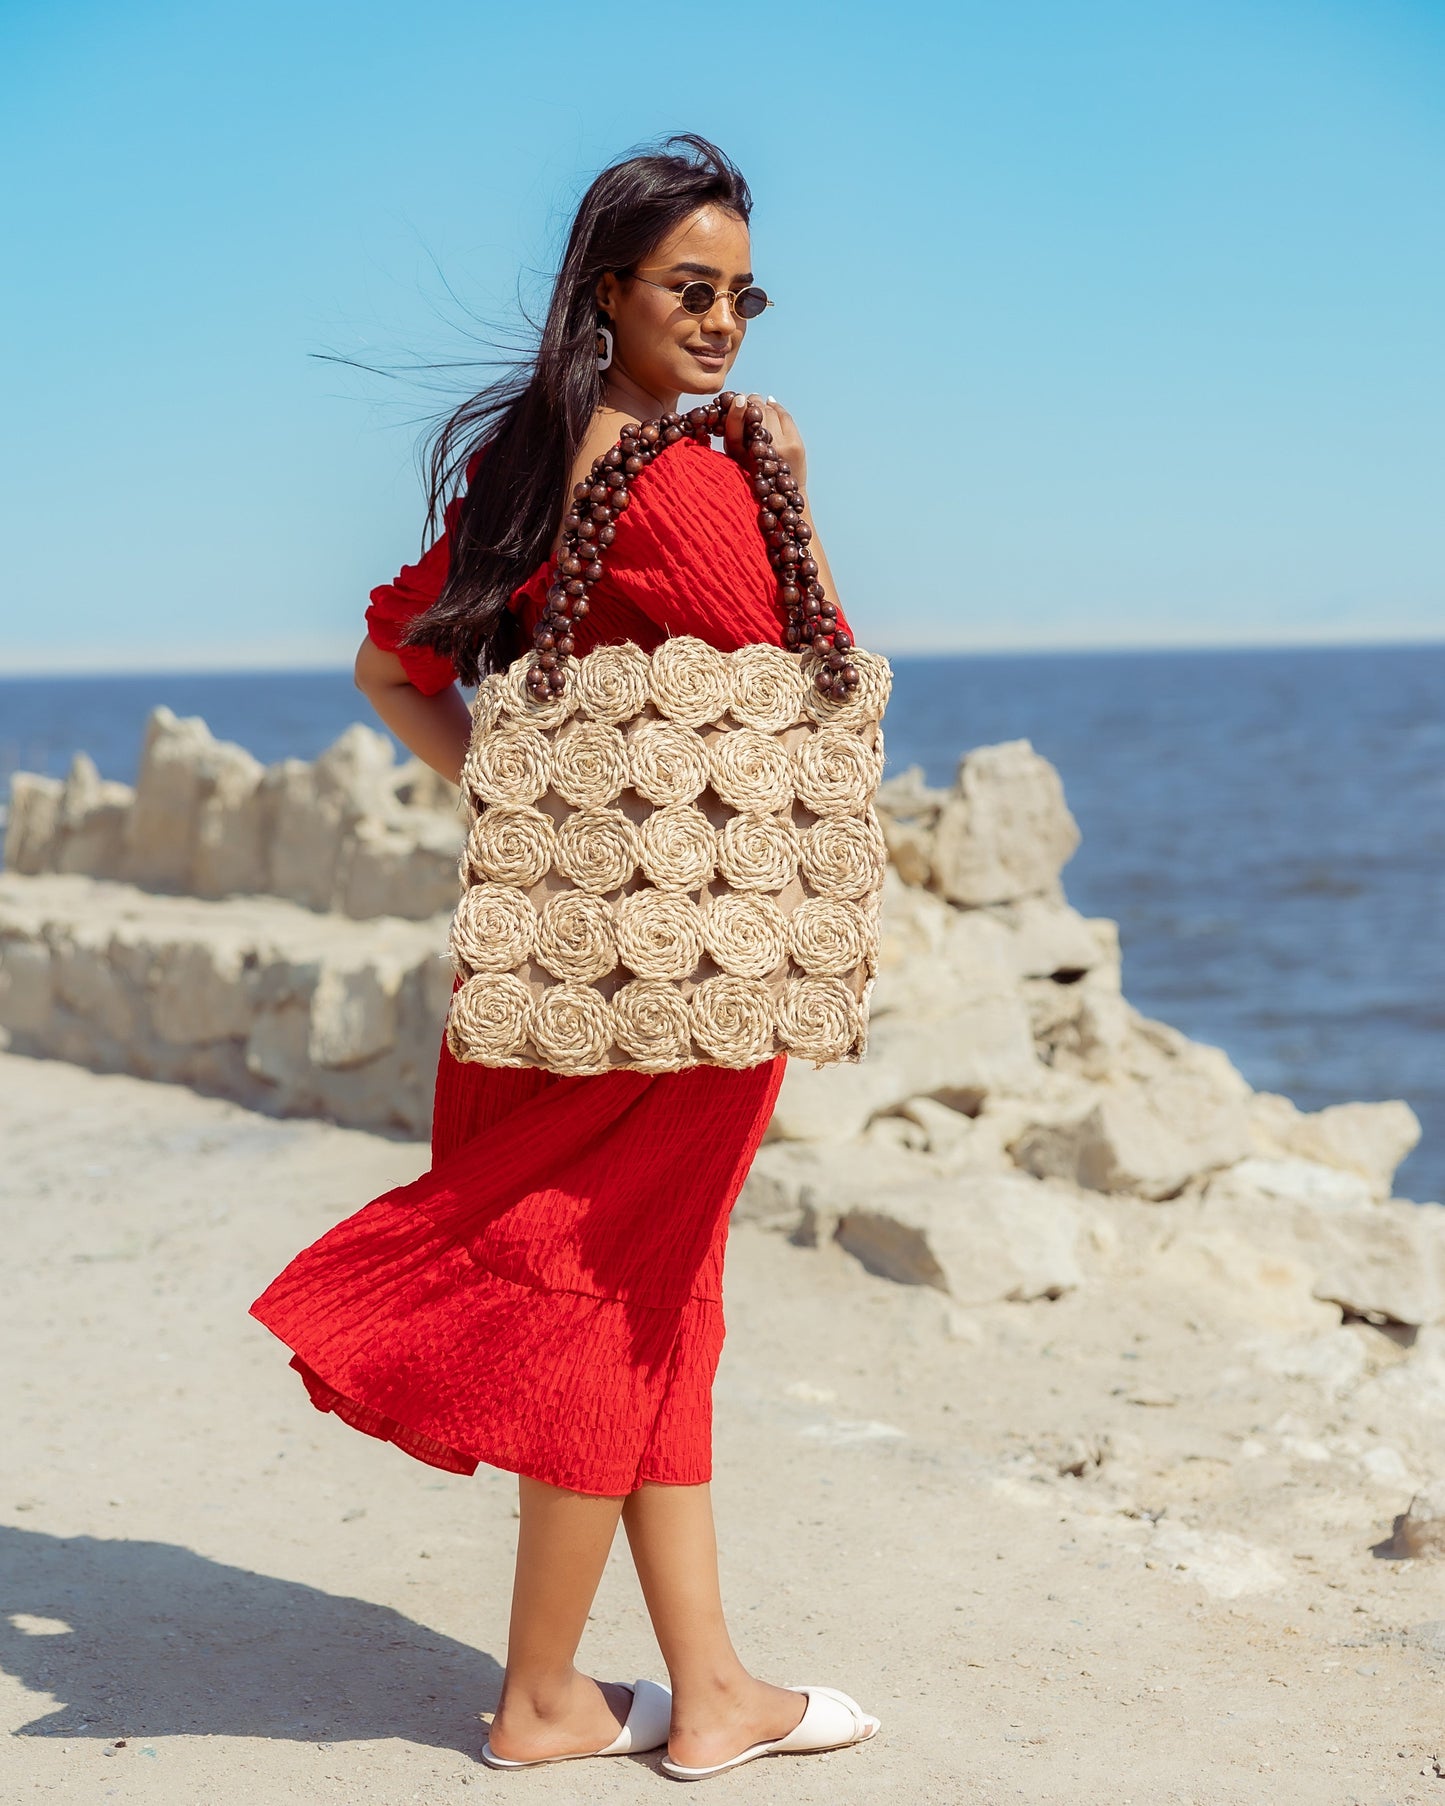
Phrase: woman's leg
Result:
[547,1708]
[718,1709]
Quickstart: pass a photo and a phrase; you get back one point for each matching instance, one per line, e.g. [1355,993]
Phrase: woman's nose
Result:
[720,316]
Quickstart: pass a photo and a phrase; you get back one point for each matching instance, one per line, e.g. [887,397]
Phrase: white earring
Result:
[604,347]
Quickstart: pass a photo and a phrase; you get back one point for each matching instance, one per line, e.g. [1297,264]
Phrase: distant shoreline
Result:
[13,672]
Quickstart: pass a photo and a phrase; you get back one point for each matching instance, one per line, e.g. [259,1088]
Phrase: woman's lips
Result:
[704,356]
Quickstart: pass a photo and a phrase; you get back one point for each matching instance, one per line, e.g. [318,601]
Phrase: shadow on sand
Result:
[160,1641]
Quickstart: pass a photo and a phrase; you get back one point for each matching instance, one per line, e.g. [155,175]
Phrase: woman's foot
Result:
[716,1726]
[575,1719]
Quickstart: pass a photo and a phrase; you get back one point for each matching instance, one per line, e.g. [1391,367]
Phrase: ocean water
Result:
[1267,827]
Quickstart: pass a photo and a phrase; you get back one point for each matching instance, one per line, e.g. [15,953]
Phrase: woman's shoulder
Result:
[690,491]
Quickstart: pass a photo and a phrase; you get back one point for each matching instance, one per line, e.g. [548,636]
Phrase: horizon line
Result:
[25,666]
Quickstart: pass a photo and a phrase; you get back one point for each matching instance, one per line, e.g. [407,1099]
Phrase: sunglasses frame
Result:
[680,289]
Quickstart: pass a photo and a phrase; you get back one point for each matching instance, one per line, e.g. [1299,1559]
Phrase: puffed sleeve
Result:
[414,588]
[689,552]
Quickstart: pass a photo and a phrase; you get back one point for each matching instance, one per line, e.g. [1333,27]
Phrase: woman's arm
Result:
[436,728]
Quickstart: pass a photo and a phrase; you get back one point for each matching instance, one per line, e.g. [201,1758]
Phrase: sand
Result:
[214,1594]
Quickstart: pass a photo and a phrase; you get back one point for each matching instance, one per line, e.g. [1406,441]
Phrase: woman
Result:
[546,1298]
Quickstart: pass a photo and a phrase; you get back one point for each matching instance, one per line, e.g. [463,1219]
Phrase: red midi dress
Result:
[547,1296]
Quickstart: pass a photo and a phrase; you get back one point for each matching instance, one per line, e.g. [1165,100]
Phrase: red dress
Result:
[547,1297]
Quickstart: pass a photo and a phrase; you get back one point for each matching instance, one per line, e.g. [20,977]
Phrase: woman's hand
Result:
[787,440]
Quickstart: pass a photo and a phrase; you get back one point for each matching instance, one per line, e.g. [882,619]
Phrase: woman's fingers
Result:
[733,426]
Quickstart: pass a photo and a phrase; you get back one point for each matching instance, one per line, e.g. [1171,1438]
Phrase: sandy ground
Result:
[269,1608]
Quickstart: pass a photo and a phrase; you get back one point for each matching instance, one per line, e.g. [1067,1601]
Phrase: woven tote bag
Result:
[673,859]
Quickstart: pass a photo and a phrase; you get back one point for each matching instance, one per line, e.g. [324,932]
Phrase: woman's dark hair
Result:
[531,421]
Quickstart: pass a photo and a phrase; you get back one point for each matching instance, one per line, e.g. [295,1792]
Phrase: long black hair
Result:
[531,421]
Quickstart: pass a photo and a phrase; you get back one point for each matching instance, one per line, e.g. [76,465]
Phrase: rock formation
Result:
[1016,1130]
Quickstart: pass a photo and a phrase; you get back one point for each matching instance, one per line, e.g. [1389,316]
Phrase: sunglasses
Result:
[698,297]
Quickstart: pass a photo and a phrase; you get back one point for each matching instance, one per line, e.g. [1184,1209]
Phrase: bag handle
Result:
[811,620]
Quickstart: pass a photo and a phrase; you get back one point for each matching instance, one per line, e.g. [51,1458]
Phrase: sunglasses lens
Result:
[698,297]
[750,303]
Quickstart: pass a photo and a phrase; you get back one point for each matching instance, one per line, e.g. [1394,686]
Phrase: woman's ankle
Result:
[543,1697]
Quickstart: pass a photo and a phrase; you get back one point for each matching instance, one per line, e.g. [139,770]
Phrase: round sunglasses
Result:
[697,297]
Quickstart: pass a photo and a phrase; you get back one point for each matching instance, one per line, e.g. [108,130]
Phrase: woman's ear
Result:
[607,292]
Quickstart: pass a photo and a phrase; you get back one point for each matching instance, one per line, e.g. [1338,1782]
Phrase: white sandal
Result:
[648,1719]
[831,1722]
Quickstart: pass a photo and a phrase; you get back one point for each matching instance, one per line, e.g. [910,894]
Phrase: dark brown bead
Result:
[597,492]
[613,458]
[571,520]
[575,587]
[753,414]
[566,645]
[570,567]
[556,680]
[579,608]
[580,492]
[802,532]
[633,465]
[547,660]
[790,595]
[650,434]
[671,435]
[850,674]
[585,529]
[725,400]
[545,639]
[843,640]
[601,513]
[606,535]
[593,571]
[619,501]
[834,658]
[808,567]
[697,418]
[615,480]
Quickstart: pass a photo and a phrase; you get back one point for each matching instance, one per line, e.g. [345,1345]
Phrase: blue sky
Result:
[1106,324]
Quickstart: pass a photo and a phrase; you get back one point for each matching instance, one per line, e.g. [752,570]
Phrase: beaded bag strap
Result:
[588,528]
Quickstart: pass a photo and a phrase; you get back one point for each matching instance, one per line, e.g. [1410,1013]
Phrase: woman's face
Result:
[656,342]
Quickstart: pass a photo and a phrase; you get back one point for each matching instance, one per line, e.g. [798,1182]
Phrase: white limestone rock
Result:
[1005,831]
[1171,1109]
[1383,1260]
[32,824]
[234,824]
[979,1237]
[161,826]
[91,822]
[27,986]
[1368,1139]
[353,1014]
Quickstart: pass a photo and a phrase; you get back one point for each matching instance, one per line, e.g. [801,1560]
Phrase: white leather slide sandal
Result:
[648,1719]
[831,1722]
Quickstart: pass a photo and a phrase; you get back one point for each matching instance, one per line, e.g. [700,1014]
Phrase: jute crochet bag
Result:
[673,857]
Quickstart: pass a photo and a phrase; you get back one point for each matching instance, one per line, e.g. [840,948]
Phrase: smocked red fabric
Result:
[547,1297]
